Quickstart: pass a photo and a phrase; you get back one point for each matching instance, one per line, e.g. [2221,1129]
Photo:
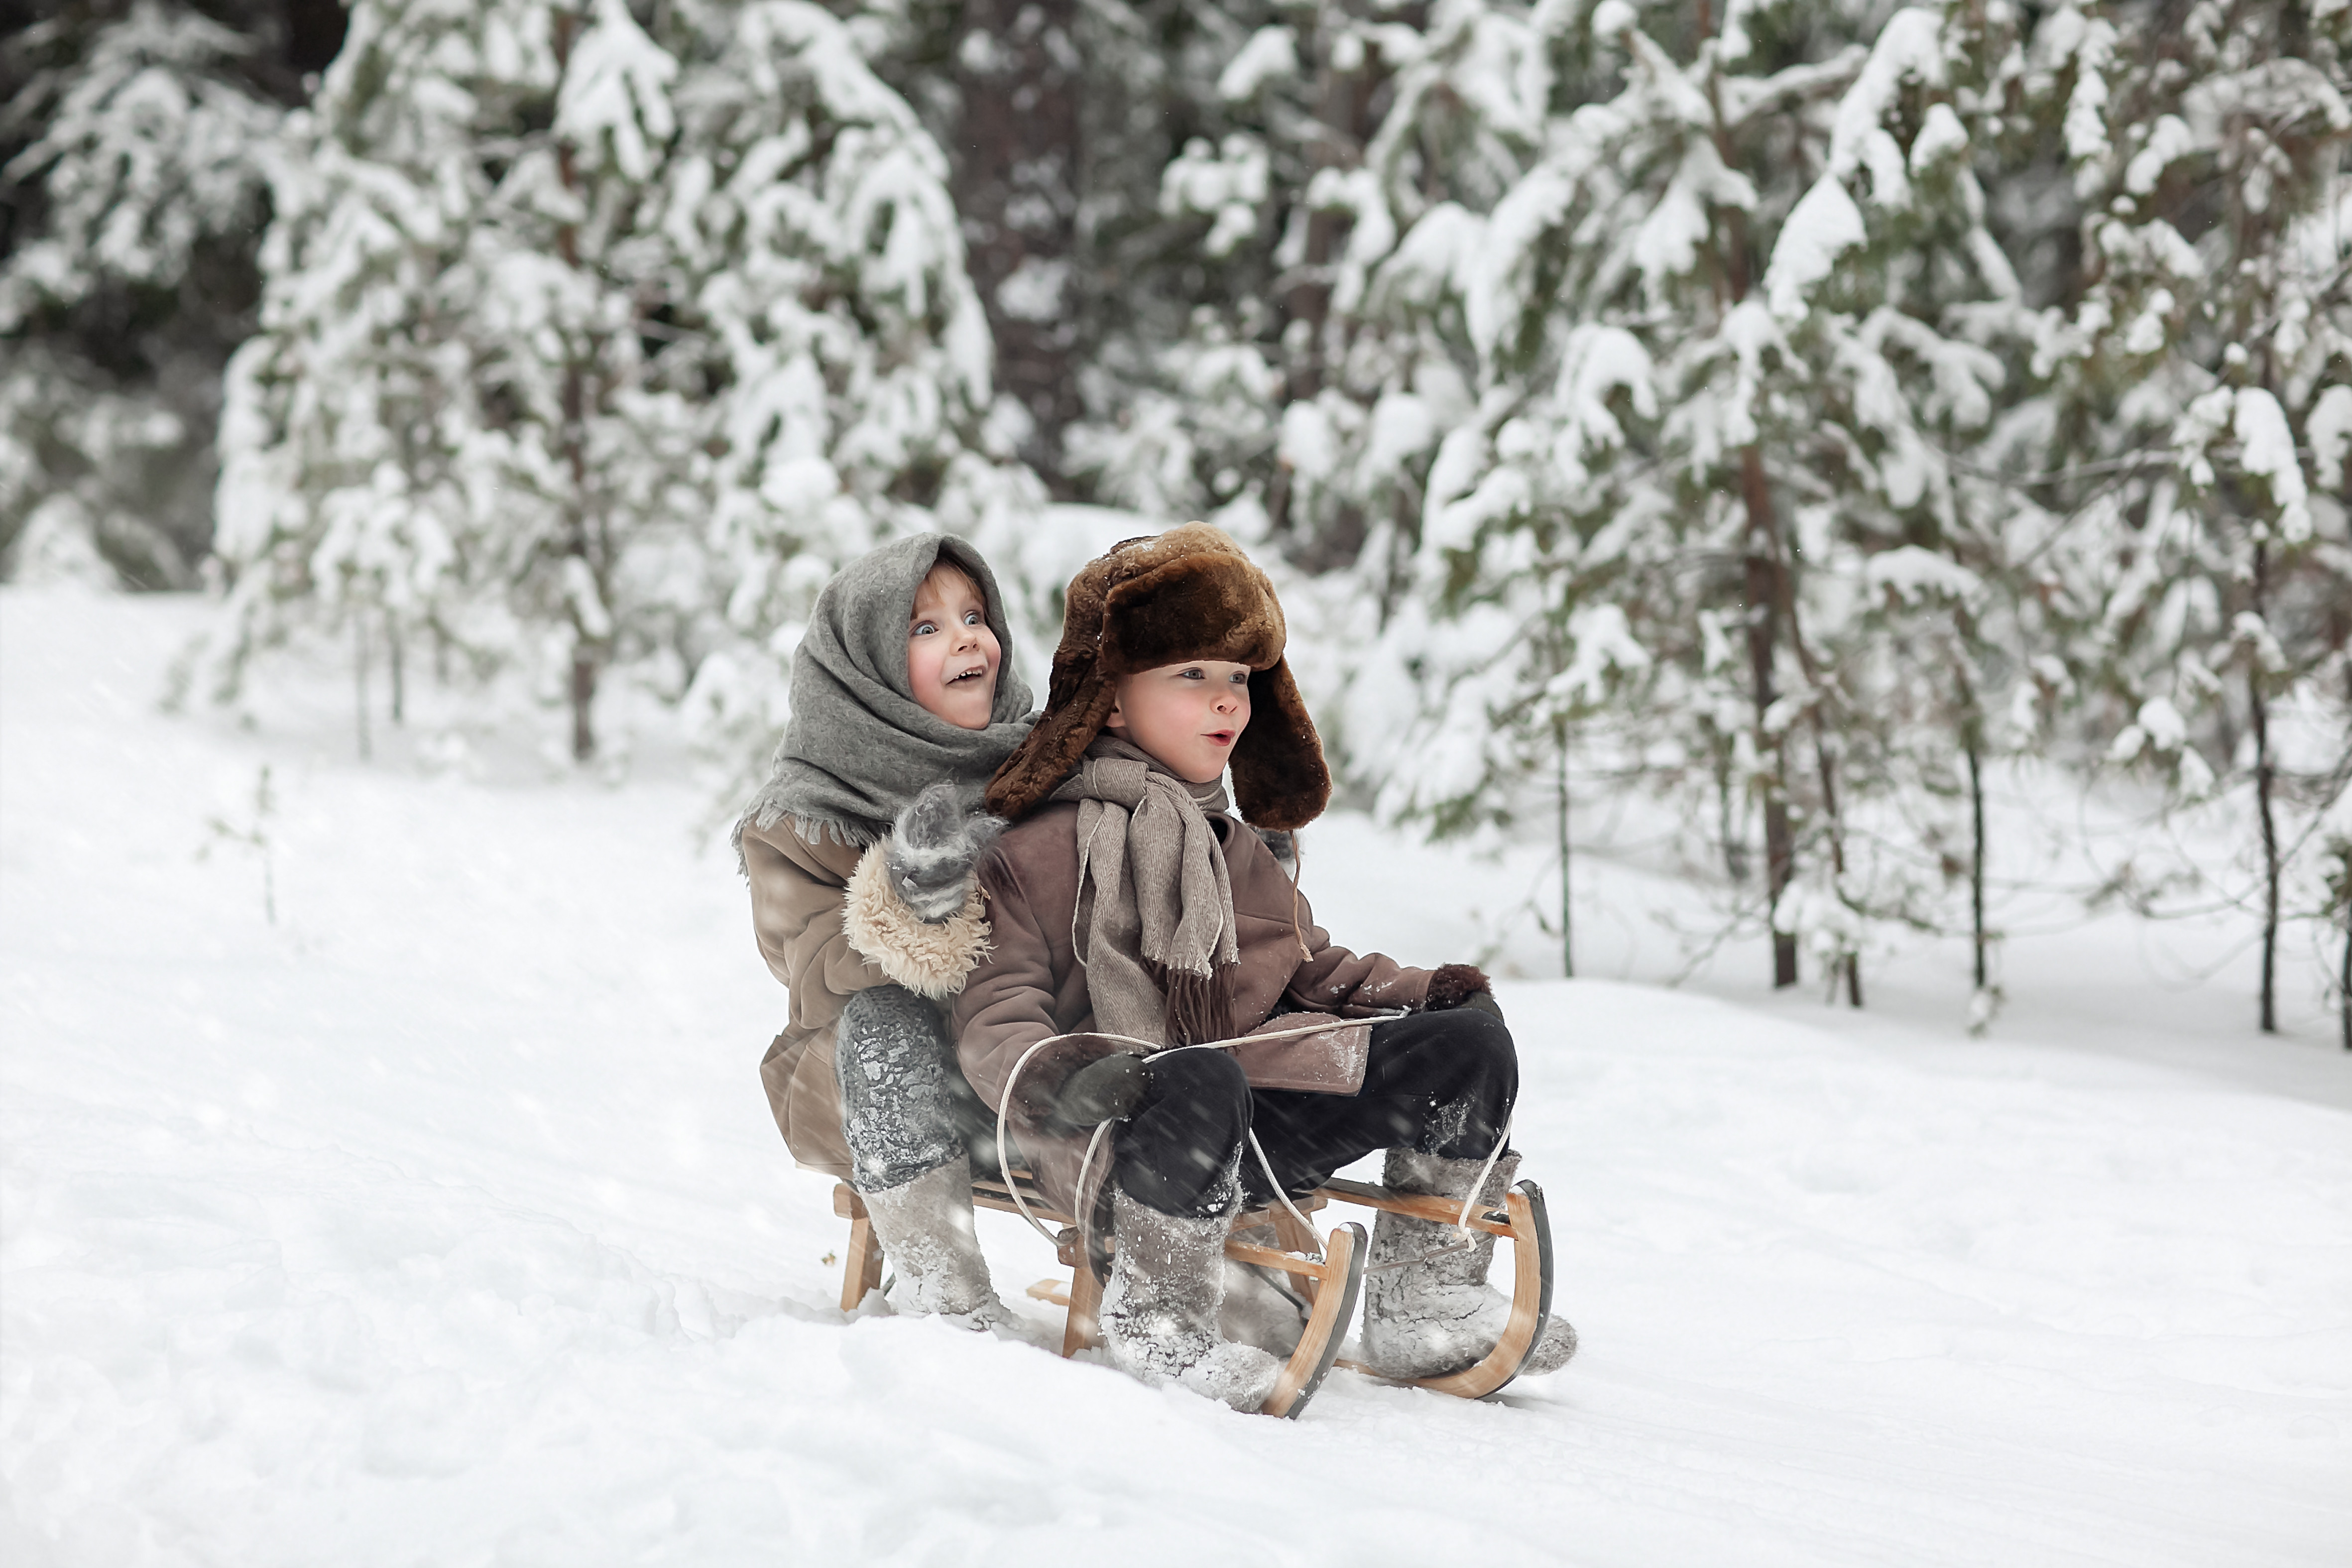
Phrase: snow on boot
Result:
[1434,1314]
[1160,1310]
[1259,1308]
[926,1230]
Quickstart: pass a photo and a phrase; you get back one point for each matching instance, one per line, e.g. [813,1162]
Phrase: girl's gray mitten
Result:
[935,847]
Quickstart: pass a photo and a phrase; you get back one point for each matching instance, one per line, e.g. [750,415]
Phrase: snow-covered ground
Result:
[441,1221]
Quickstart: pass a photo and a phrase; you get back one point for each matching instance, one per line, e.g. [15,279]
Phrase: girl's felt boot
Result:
[907,1156]
[926,1230]
[1428,1310]
[1160,1310]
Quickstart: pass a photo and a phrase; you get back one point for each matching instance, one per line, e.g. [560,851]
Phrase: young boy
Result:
[863,903]
[1126,900]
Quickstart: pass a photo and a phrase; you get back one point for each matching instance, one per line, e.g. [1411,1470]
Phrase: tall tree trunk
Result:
[1343,101]
[1017,161]
[2265,781]
[1734,270]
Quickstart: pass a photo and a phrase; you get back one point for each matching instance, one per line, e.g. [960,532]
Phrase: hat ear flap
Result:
[1280,780]
[1081,699]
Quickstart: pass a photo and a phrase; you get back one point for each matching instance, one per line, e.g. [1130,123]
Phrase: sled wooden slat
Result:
[1083,1328]
[1267,1257]
[1416,1206]
[861,1267]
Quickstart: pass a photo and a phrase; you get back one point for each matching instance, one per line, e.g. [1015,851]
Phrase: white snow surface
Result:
[442,1222]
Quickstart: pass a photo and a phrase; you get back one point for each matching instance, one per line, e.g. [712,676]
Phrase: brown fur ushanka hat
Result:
[1187,594]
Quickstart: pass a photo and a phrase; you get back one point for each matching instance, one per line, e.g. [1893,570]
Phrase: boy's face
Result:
[951,655]
[1187,715]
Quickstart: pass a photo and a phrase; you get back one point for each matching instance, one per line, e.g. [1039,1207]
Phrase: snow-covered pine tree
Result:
[2208,362]
[1295,404]
[587,346]
[847,347]
[1726,327]
[134,139]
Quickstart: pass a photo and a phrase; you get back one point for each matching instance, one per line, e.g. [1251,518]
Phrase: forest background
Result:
[1800,418]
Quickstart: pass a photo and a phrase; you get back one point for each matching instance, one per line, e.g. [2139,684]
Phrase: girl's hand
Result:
[935,847]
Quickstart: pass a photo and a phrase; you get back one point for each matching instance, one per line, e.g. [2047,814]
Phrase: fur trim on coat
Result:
[1187,594]
[930,959]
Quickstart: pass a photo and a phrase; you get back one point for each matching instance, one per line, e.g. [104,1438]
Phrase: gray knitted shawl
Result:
[860,747]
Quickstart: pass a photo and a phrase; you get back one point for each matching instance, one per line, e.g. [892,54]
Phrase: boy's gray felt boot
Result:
[1434,1313]
[1160,1310]
[1259,1308]
[926,1231]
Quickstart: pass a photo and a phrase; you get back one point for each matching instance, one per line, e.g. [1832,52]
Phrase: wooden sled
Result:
[1331,1285]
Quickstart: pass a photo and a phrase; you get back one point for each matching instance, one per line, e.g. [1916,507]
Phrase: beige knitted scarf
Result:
[1155,902]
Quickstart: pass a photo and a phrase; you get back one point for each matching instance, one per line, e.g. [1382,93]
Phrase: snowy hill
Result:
[441,1221]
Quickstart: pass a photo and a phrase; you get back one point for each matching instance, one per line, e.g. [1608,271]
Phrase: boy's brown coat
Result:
[1031,985]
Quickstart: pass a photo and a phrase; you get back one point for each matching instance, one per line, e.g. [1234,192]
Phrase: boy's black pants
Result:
[1442,1083]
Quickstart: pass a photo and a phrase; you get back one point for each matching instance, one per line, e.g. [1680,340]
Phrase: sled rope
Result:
[1094,1144]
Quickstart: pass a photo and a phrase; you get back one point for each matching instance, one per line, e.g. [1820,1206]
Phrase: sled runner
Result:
[1329,1282]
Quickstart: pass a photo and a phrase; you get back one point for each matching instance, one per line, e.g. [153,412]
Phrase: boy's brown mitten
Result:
[1102,1090]
[1462,986]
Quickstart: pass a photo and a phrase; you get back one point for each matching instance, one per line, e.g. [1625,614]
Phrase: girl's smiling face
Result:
[951,655]
[1187,715]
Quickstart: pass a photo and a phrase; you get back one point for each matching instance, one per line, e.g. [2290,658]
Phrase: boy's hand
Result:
[1462,986]
[934,848]
[1102,1090]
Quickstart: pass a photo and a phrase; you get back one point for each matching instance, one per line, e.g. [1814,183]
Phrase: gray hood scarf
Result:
[1155,897]
[859,747]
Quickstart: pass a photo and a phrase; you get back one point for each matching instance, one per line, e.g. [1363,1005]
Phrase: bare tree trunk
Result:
[1567,916]
[398,668]
[360,683]
[2264,782]
[1975,851]
[1734,846]
[2343,976]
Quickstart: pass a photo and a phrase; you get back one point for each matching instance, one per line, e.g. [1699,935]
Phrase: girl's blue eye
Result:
[923,627]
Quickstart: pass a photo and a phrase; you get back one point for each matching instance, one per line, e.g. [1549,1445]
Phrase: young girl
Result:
[859,852]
